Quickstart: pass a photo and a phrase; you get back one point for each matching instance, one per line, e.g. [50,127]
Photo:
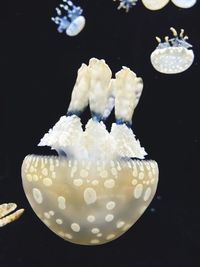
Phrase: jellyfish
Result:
[173,55]
[184,3]
[72,22]
[155,4]
[6,209]
[100,183]
[126,4]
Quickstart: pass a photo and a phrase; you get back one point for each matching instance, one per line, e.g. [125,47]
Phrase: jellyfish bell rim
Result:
[79,24]
[148,4]
[183,3]
[169,51]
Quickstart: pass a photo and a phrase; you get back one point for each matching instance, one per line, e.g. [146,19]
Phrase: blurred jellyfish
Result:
[7,208]
[155,4]
[173,55]
[184,3]
[126,4]
[72,22]
[100,183]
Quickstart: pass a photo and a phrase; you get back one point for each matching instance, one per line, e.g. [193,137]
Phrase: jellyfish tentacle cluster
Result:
[5,213]
[69,18]
[126,4]
[100,183]
[174,55]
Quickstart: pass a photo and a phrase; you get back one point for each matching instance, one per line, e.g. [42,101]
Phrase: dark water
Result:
[38,71]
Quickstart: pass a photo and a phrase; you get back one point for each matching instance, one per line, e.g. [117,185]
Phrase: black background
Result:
[38,71]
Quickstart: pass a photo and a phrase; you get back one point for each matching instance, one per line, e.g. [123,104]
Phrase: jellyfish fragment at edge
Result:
[100,183]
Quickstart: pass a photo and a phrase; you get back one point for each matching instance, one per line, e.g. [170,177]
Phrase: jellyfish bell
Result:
[184,3]
[103,184]
[76,26]
[72,22]
[173,55]
[155,4]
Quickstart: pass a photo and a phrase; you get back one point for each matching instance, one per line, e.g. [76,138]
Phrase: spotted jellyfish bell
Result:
[72,22]
[126,4]
[155,4]
[184,3]
[174,55]
[103,184]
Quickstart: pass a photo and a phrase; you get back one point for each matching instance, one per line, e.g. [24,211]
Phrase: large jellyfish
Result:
[99,184]
[72,22]
[155,4]
[184,3]
[173,55]
[126,4]
[5,213]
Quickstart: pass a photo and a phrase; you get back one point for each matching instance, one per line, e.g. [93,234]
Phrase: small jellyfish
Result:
[7,208]
[173,55]
[100,183]
[71,22]
[184,3]
[126,4]
[155,4]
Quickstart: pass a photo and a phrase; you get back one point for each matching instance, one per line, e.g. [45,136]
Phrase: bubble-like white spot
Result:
[134,182]
[141,175]
[45,171]
[120,224]
[61,202]
[95,230]
[90,195]
[91,218]
[75,227]
[37,195]
[110,183]
[95,182]
[51,212]
[109,217]
[59,221]
[110,205]
[94,241]
[47,181]
[78,182]
[111,236]
[69,236]
[84,173]
[147,194]
[47,215]
[99,234]
[35,178]
[137,192]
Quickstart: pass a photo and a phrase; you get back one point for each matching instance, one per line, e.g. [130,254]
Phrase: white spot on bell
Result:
[75,227]
[90,195]
[37,195]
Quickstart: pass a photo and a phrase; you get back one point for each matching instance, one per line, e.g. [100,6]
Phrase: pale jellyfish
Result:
[173,55]
[99,184]
[6,209]
[184,3]
[72,22]
[126,4]
[155,4]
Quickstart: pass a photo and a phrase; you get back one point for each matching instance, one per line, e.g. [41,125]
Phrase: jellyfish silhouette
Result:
[99,184]
[72,22]
[173,55]
[126,4]
[155,4]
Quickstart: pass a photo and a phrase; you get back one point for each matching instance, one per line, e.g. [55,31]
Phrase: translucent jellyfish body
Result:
[155,4]
[184,3]
[126,4]
[5,213]
[69,18]
[173,55]
[100,184]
